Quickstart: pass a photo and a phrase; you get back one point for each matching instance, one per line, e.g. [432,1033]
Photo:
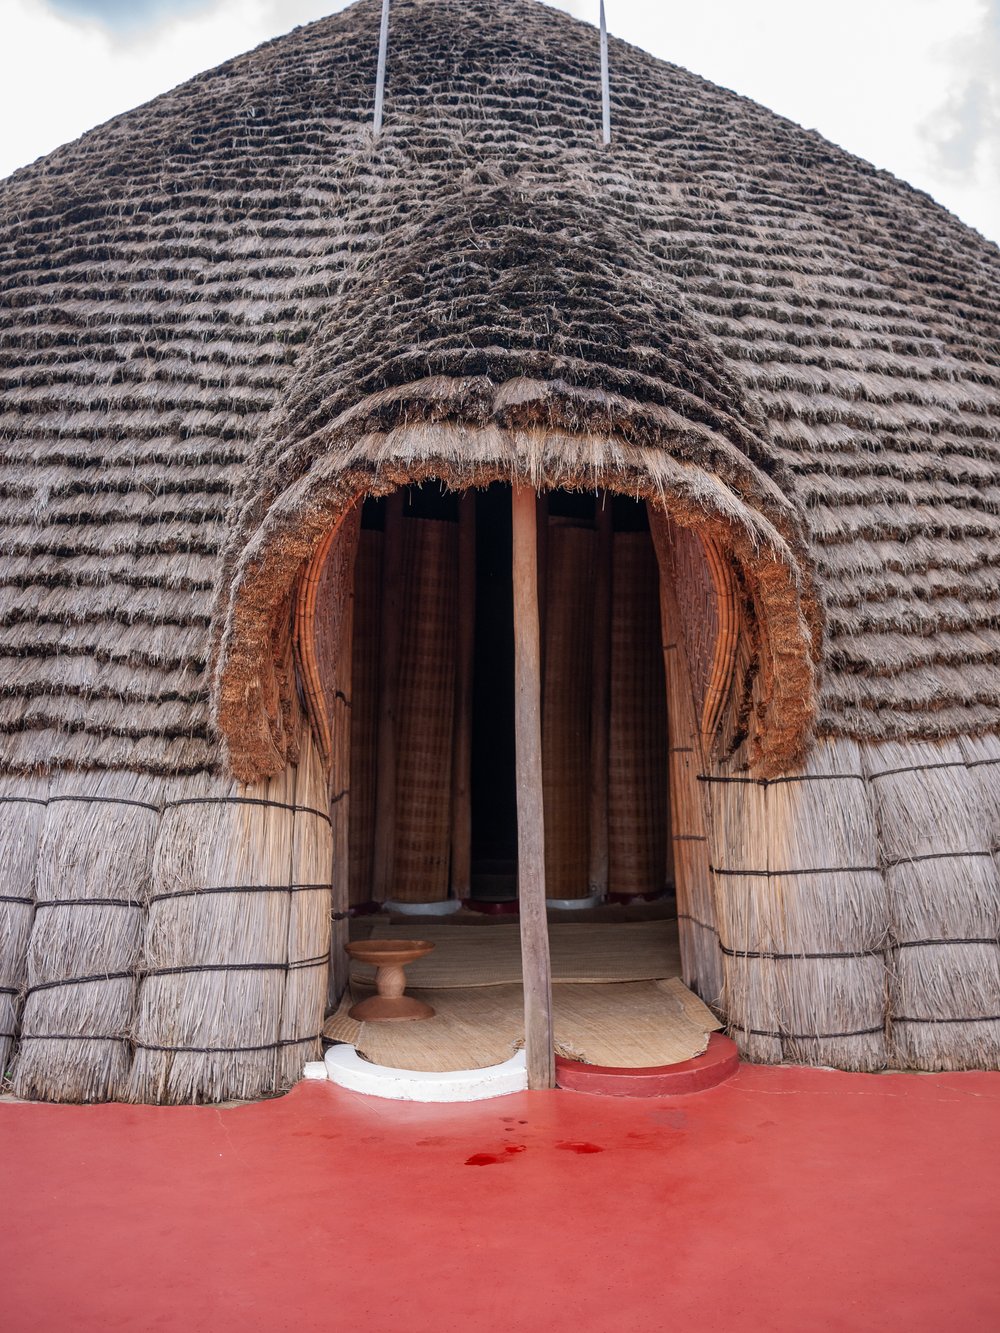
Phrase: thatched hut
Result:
[238,327]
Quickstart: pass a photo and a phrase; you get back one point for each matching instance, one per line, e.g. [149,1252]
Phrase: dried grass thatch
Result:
[214,340]
[237,942]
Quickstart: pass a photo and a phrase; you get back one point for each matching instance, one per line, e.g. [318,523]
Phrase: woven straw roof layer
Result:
[172,338]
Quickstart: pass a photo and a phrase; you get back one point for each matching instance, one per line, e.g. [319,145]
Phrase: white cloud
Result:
[911,85]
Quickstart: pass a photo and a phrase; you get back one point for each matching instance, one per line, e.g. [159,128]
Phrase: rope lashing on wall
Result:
[605,80]
[383,48]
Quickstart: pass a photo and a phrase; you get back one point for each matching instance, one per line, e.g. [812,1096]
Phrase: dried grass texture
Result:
[773,342]
[139,967]
[164,291]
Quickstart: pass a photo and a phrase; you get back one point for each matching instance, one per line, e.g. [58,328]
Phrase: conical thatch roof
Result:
[235,285]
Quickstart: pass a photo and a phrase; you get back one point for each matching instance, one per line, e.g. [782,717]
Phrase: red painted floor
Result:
[785,1199]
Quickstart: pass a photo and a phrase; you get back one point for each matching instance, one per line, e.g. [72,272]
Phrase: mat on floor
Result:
[491,956]
[629,1025]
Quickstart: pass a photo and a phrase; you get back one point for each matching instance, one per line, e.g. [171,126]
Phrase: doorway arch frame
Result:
[270,600]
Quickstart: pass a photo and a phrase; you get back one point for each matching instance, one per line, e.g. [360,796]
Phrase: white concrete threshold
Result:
[573,904]
[424,909]
[347,1069]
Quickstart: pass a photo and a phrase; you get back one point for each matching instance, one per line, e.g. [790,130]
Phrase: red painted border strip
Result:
[719,1062]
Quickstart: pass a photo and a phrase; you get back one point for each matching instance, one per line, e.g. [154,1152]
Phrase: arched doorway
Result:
[415,621]
[746,570]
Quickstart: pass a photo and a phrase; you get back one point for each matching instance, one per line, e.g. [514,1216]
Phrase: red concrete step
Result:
[719,1062]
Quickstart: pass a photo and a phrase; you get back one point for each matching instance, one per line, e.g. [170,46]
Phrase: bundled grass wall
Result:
[85,950]
[22,817]
[170,938]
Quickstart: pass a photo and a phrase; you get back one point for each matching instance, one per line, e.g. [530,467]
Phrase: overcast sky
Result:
[911,85]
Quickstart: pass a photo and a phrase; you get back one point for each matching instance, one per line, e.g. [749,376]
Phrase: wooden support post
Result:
[391,643]
[461,789]
[600,715]
[535,960]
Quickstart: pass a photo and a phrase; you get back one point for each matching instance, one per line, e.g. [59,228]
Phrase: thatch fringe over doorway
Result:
[732,678]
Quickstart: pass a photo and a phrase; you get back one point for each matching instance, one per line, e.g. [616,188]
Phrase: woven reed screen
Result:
[364,711]
[697,607]
[426,703]
[638,814]
[333,635]
[566,702]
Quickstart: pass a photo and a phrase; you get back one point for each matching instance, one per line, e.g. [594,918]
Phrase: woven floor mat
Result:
[632,1025]
[589,952]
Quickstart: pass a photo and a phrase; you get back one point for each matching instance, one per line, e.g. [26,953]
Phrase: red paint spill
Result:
[492,1158]
[580,1147]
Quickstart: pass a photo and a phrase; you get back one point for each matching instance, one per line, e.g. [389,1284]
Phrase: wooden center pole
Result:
[390,646]
[535,960]
[461,795]
[600,715]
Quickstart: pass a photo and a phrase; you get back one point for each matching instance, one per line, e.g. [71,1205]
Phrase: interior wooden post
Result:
[536,965]
[461,790]
[391,642]
[600,716]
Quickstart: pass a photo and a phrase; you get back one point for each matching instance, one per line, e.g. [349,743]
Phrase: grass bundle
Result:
[22,817]
[830,908]
[217,1014]
[938,808]
[92,881]
[309,925]
[426,702]
[749,926]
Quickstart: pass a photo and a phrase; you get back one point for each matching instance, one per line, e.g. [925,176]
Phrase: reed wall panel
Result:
[566,708]
[426,703]
[938,815]
[638,809]
[803,912]
[309,920]
[91,886]
[701,959]
[236,948]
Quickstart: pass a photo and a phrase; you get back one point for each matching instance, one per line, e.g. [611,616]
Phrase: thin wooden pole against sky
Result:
[383,47]
[605,79]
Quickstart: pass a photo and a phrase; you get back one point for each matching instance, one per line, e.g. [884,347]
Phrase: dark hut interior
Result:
[629,795]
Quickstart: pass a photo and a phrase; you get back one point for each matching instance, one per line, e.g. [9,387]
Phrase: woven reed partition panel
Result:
[364,711]
[689,805]
[566,701]
[426,711]
[697,607]
[637,779]
[333,633]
